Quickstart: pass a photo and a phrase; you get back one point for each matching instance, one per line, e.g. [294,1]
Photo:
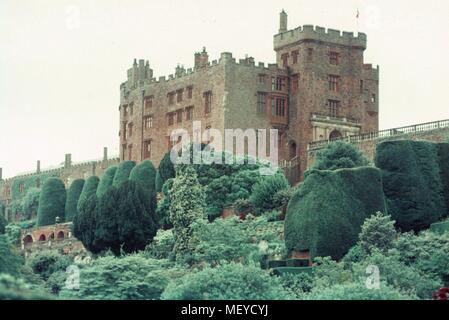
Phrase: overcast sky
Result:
[62,62]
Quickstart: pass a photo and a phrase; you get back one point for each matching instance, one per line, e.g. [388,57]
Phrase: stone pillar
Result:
[38,167]
[282,22]
[1,173]
[105,154]
[68,161]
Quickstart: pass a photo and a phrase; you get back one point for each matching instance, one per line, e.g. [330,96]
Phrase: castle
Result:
[318,89]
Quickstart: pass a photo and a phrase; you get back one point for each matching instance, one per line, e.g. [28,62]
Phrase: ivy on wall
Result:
[20,185]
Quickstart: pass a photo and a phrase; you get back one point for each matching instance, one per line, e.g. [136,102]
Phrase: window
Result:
[295,83]
[148,102]
[125,132]
[295,55]
[189,113]
[278,107]
[334,58]
[309,54]
[179,95]
[334,83]
[171,119]
[262,78]
[273,83]
[130,152]
[124,151]
[280,83]
[21,188]
[284,59]
[125,110]
[147,149]
[261,102]
[148,122]
[131,109]
[333,107]
[361,86]
[179,116]
[373,98]
[130,130]
[171,98]
[207,101]
[189,92]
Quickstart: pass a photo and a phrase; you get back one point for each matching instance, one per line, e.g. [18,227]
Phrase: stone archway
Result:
[60,235]
[335,135]
[42,237]
[27,240]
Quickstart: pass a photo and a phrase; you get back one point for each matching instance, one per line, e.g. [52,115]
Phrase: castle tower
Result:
[282,21]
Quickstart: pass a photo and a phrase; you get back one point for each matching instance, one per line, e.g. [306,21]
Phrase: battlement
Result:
[317,33]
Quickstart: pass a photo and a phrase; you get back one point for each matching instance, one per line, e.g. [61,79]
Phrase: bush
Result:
[12,233]
[144,174]
[166,169]
[89,190]
[162,245]
[158,182]
[297,285]
[106,180]
[339,155]
[186,206]
[3,224]
[45,263]
[163,208]
[227,282]
[30,203]
[377,232]
[412,182]
[84,223]
[327,211]
[10,262]
[12,288]
[73,195]
[443,156]
[262,195]
[123,172]
[51,202]
[130,277]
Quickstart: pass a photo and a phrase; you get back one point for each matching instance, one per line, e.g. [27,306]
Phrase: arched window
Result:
[334,135]
[42,237]
[60,235]
[28,239]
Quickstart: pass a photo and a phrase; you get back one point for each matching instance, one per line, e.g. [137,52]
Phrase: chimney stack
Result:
[282,21]
[68,161]
[105,154]
[1,173]
[38,167]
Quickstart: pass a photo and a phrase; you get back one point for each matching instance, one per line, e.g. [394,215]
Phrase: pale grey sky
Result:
[61,62]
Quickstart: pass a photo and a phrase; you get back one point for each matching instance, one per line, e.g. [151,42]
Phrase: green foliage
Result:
[12,288]
[10,262]
[28,182]
[163,207]
[12,233]
[89,190]
[30,203]
[166,169]
[123,172]
[130,277]
[412,182]
[282,197]
[162,245]
[158,182]
[144,174]
[84,223]
[339,155]
[443,156]
[377,232]
[357,291]
[16,208]
[297,285]
[327,211]
[440,227]
[227,282]
[186,206]
[45,263]
[73,195]
[106,180]
[264,191]
[3,224]
[51,202]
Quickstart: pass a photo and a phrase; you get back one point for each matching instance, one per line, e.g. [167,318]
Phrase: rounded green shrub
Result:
[89,190]
[144,174]
[73,195]
[106,180]
[123,172]
[264,191]
[339,155]
[51,202]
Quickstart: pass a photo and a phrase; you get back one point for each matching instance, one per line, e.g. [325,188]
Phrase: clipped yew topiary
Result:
[123,172]
[166,170]
[144,174]
[51,202]
[327,211]
[412,182]
[443,155]
[73,195]
[89,190]
[106,180]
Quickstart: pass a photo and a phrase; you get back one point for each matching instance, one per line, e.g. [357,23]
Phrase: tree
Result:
[123,172]
[84,223]
[73,195]
[338,155]
[159,183]
[187,206]
[377,232]
[3,224]
[89,190]
[10,262]
[144,174]
[51,202]
[166,169]
[45,263]
[30,203]
[106,180]
[263,192]
[163,207]
[227,282]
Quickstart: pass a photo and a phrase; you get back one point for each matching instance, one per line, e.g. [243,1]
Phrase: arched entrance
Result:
[42,237]
[335,134]
[28,239]
[60,235]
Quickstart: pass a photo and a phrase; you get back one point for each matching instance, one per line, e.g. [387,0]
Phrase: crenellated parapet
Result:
[311,33]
